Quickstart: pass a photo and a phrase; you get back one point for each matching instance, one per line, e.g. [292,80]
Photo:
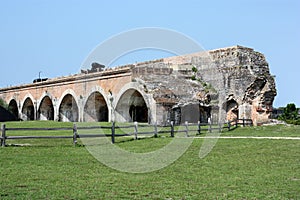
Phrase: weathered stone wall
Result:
[237,74]
[217,85]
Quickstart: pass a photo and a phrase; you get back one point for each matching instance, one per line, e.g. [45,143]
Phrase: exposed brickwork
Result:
[170,88]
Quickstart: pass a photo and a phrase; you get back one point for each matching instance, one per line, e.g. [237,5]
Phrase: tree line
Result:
[290,114]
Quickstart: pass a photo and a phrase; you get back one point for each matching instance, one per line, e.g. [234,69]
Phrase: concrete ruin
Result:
[217,85]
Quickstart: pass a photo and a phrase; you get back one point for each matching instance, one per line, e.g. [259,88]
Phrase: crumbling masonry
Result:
[217,85]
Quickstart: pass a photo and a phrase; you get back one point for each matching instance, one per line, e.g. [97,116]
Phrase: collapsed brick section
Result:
[222,84]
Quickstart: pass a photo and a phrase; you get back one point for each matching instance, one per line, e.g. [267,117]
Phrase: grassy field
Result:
[234,169]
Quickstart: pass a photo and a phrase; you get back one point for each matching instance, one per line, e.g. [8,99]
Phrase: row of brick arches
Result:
[131,106]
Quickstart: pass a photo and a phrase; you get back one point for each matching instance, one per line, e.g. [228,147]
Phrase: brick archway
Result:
[132,107]
[13,108]
[95,108]
[122,102]
[46,109]
[232,110]
[28,110]
[68,109]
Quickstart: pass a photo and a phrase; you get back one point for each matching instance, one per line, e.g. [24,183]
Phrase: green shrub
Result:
[194,69]
[290,114]
[193,77]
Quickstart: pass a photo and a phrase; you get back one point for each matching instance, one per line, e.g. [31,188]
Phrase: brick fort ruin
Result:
[217,85]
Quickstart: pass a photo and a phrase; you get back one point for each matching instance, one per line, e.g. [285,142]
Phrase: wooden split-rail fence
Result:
[170,129]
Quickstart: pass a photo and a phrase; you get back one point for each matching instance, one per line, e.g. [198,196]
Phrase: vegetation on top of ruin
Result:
[194,69]
[207,86]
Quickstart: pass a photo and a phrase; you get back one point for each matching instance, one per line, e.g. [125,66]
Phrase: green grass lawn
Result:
[234,169]
[266,131]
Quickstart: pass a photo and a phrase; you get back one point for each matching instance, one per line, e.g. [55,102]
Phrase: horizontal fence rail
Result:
[133,130]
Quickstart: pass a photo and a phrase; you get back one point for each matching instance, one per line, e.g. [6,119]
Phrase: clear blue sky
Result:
[56,36]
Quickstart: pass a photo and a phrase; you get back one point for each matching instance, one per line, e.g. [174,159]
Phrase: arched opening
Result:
[13,108]
[68,109]
[28,110]
[232,110]
[46,109]
[95,108]
[205,113]
[132,107]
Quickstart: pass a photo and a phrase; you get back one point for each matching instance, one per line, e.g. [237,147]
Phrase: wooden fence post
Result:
[135,130]
[74,134]
[113,132]
[3,135]
[228,125]
[155,129]
[199,128]
[172,128]
[236,123]
[186,123]
[243,121]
